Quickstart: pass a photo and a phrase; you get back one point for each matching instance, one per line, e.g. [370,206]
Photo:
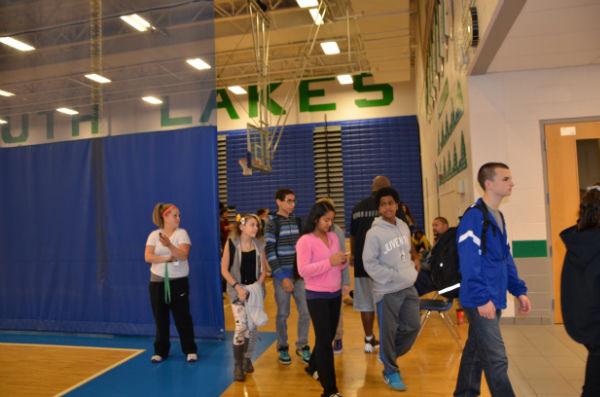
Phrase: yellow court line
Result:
[71,346]
[135,353]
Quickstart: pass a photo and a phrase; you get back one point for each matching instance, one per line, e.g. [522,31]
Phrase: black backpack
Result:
[444,263]
[444,255]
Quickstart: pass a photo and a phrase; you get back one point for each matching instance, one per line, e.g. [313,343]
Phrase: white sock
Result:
[369,338]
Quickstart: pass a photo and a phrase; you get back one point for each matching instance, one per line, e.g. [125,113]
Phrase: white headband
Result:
[595,187]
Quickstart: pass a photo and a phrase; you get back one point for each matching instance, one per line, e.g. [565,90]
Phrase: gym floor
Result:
[543,361]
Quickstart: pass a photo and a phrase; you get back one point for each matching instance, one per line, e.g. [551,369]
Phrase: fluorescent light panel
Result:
[68,111]
[198,63]
[237,90]
[318,18]
[137,22]
[330,47]
[16,44]
[307,3]
[152,100]
[344,79]
[2,121]
[97,78]
[6,93]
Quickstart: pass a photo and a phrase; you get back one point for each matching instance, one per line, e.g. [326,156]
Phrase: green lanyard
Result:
[167,284]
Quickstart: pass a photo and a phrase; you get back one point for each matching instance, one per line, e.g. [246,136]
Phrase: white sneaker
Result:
[156,358]
[371,345]
[192,357]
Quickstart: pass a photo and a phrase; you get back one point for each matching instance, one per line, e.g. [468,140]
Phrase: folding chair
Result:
[442,306]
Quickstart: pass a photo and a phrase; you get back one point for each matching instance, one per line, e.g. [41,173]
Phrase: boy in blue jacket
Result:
[488,271]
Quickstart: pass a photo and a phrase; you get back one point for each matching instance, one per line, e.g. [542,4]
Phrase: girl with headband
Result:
[243,266]
[167,251]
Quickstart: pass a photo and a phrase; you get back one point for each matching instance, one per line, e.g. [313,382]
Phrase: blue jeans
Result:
[282,299]
[484,352]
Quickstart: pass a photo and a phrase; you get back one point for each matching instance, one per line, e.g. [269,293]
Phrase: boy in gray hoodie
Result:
[391,262]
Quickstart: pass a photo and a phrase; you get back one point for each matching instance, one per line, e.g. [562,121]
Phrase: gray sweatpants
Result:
[399,324]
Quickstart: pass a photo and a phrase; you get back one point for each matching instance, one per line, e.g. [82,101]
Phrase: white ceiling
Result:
[374,37]
[551,34]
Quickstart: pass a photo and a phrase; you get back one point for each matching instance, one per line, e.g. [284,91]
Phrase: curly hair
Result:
[589,209]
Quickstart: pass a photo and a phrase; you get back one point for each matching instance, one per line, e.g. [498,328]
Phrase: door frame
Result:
[543,123]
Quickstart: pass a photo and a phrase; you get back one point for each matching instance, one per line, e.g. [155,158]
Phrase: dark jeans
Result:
[324,314]
[180,307]
[484,351]
[591,387]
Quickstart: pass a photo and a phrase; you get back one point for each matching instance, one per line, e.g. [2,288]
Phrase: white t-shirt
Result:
[177,269]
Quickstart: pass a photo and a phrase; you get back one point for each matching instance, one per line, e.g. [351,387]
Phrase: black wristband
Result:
[234,284]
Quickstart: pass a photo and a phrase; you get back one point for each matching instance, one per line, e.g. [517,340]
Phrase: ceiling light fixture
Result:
[330,47]
[137,22]
[152,100]
[316,16]
[344,79]
[198,63]
[2,121]
[307,3]
[6,93]
[68,111]
[237,90]
[97,78]
[16,44]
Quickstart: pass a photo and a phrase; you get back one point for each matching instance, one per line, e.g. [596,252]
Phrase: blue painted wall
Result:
[386,146]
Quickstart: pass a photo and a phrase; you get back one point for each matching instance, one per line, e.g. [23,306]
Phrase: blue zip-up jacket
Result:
[485,277]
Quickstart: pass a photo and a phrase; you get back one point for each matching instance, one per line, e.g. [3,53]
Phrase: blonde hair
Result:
[158,212]
[237,232]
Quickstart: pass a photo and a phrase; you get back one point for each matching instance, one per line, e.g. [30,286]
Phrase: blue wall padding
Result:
[75,218]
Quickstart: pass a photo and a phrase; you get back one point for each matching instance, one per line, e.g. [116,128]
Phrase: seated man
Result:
[424,284]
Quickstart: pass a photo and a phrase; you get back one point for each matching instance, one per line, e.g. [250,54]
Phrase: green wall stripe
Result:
[529,249]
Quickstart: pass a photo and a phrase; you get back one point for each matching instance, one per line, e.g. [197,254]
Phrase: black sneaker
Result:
[312,373]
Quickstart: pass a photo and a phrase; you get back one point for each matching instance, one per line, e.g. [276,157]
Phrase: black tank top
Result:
[248,267]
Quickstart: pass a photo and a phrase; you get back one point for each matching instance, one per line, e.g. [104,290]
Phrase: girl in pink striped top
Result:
[320,263]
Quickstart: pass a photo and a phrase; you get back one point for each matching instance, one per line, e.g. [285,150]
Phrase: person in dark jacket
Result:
[580,285]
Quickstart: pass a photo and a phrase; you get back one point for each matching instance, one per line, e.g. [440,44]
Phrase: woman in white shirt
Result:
[167,251]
